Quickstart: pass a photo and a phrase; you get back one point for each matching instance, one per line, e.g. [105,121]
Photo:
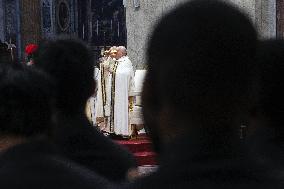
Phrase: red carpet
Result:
[142,150]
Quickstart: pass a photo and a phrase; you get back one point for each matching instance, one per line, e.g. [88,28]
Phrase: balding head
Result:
[121,51]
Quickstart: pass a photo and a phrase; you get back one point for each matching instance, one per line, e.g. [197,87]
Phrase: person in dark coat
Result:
[266,131]
[27,158]
[70,63]
[197,94]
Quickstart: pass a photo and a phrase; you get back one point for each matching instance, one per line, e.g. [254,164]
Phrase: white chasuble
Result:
[123,88]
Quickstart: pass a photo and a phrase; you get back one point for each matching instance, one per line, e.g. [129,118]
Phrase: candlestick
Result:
[83,31]
[118,32]
[97,28]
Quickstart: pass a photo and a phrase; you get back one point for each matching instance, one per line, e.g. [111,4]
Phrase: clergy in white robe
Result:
[122,90]
[103,99]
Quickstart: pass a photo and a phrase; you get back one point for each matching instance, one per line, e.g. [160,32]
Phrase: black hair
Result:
[200,63]
[26,101]
[70,63]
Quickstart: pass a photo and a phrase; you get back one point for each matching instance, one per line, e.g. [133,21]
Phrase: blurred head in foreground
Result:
[202,84]
[70,63]
[26,103]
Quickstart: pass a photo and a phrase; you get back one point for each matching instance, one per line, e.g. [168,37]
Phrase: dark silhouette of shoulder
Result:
[36,165]
[83,143]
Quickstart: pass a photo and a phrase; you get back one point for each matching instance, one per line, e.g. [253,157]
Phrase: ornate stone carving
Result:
[10,18]
[46,17]
[63,15]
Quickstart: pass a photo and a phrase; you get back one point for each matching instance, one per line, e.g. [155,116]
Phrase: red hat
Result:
[31,48]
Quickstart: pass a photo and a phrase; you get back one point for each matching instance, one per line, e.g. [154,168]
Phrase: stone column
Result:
[262,14]
[76,18]
[2,34]
[265,18]
[140,21]
[47,19]
[89,20]
[30,21]
[280,18]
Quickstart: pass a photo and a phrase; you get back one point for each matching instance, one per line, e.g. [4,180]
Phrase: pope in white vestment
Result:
[122,90]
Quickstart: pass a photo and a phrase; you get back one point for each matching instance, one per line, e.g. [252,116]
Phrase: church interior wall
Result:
[140,21]
[11,23]
[265,18]
[1,21]
[29,21]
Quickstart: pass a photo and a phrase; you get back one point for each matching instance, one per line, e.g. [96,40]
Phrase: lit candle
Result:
[91,28]
[83,31]
[118,32]
[97,27]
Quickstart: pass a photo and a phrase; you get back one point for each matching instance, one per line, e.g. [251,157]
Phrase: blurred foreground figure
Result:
[197,94]
[267,119]
[70,63]
[27,159]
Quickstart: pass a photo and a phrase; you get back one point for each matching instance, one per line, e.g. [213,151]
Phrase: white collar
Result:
[122,58]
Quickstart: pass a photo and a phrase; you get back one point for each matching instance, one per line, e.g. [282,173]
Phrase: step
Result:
[146,158]
[134,146]
[145,170]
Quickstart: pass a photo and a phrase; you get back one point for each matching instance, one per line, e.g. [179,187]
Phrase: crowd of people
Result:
[208,74]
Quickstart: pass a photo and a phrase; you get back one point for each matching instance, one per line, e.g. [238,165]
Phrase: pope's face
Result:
[119,55]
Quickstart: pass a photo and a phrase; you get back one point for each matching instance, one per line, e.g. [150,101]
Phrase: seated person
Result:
[27,159]
[70,64]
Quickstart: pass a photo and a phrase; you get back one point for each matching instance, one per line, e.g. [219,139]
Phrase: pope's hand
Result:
[106,65]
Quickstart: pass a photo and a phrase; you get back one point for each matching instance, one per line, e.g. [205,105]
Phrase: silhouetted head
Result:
[269,110]
[201,83]
[70,63]
[26,102]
